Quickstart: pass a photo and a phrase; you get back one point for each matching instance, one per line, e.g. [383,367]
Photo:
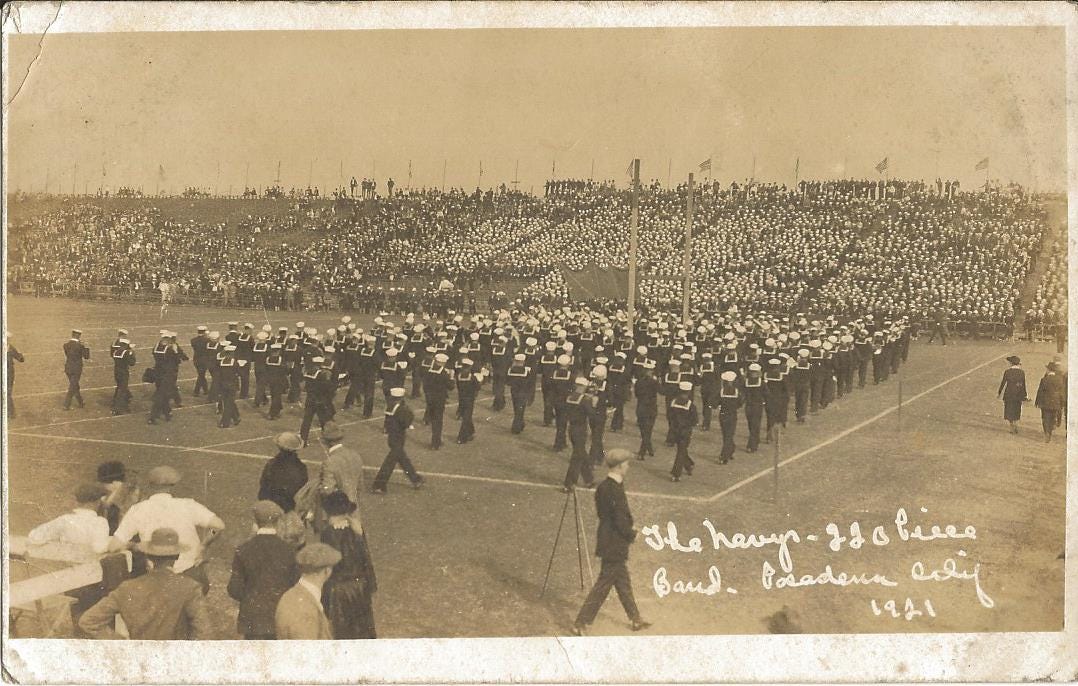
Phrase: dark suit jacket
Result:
[1051,392]
[74,354]
[1013,385]
[615,522]
[262,570]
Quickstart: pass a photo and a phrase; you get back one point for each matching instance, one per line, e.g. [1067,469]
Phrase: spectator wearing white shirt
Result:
[161,510]
[82,533]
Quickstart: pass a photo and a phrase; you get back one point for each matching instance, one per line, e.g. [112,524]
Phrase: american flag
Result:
[882,166]
[983,164]
[629,169]
[705,165]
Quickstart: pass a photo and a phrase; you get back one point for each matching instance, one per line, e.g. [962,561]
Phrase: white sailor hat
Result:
[275,345]
[262,335]
[466,361]
[685,386]
[441,357]
[774,361]
[248,325]
[641,350]
[215,335]
[731,346]
[827,345]
[318,358]
[728,376]
[581,381]
[233,324]
[803,352]
[519,357]
[531,341]
[564,360]
[330,349]
[396,392]
[229,348]
[341,328]
[754,367]
[281,329]
[267,328]
[345,319]
[391,352]
[599,372]
[201,329]
[300,325]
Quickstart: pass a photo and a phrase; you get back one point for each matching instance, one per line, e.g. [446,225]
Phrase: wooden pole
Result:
[74,175]
[634,218]
[686,264]
[669,168]
[444,164]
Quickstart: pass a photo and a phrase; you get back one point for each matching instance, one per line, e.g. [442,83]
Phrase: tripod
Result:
[582,556]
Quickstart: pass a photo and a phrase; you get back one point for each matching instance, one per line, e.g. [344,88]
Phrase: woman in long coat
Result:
[348,594]
[1013,391]
[285,474]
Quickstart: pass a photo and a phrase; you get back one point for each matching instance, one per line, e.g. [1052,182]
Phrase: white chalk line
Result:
[740,484]
[846,432]
[98,419]
[439,475]
[136,444]
[110,387]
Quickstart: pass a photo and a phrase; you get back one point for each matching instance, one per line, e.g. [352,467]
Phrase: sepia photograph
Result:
[650,326]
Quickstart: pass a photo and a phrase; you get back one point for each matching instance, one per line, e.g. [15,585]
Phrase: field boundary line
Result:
[166,446]
[846,432]
[266,458]
[352,422]
[111,387]
[140,413]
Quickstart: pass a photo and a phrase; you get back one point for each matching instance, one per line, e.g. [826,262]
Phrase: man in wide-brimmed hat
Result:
[160,605]
[1050,399]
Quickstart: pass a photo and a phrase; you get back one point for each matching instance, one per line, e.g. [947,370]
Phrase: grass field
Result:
[466,555]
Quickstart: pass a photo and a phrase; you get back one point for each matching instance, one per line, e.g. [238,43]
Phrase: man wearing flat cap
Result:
[160,605]
[74,354]
[263,568]
[193,522]
[299,615]
[616,532]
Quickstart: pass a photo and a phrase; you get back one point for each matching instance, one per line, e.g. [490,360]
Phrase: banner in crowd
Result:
[594,281]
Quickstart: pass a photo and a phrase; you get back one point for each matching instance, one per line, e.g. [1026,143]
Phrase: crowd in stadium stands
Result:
[1049,306]
[832,246]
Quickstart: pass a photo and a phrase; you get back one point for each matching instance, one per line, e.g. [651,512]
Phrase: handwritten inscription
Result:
[778,573]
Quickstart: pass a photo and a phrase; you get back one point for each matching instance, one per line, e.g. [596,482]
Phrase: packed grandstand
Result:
[837,247]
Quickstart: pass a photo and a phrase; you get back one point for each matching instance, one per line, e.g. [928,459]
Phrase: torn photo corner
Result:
[537,342]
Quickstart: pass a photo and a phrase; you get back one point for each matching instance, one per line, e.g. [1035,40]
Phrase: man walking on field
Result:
[616,532]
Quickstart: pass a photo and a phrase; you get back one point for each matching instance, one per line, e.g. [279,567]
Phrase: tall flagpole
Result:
[686,263]
[669,166]
[445,163]
[634,218]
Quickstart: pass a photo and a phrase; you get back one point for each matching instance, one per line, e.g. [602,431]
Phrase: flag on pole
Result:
[705,166]
[983,164]
[882,166]
[629,169]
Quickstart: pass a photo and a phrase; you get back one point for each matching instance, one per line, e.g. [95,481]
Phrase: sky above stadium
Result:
[216,109]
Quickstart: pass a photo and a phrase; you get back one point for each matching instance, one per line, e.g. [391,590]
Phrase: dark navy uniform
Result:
[579,409]
[74,354]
